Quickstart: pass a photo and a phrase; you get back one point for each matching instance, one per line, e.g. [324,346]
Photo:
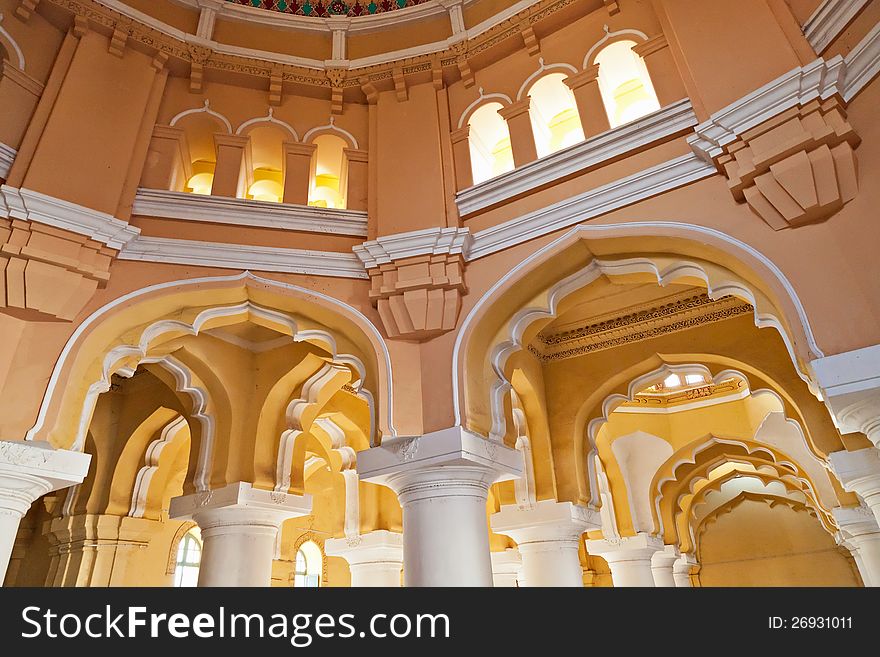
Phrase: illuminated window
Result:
[489,142]
[266,146]
[267,186]
[189,556]
[672,381]
[308,567]
[555,119]
[329,173]
[625,84]
[202,179]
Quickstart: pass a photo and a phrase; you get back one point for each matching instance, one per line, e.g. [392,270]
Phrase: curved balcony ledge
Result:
[244,212]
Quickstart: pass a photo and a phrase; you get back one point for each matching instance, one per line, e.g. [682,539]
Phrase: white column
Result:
[662,565]
[239,526]
[548,537]
[29,470]
[506,568]
[859,473]
[850,384]
[442,480]
[860,534]
[374,559]
[681,570]
[629,558]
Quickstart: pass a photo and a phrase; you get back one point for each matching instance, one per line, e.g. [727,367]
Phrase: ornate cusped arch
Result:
[116,338]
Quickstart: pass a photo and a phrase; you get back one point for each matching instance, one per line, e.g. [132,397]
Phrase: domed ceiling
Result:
[329,8]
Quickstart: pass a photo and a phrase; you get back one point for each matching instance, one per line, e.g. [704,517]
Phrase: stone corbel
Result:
[796,168]
[417,280]
[26,9]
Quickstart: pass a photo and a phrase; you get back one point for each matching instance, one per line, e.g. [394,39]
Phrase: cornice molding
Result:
[817,80]
[29,205]
[609,145]
[245,212]
[650,182]
[7,156]
[829,20]
[243,256]
[430,241]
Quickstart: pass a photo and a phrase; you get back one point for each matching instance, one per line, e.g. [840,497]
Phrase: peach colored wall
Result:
[314,45]
[102,95]
[37,38]
[170,12]
[362,44]
[755,545]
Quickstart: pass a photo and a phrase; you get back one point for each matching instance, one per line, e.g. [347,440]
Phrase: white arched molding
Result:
[665,270]
[483,98]
[331,127]
[206,109]
[271,120]
[610,37]
[7,40]
[524,487]
[671,229]
[543,69]
[362,322]
[144,477]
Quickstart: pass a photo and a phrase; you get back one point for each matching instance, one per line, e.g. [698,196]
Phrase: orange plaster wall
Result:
[38,40]
[314,45]
[755,545]
[855,31]
[173,13]
[431,30]
[84,152]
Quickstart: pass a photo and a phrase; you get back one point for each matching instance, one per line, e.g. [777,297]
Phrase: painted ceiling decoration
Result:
[323,9]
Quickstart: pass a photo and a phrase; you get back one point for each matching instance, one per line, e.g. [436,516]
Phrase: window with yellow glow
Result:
[555,120]
[266,180]
[327,188]
[189,558]
[308,566]
[625,84]
[202,179]
[267,186]
[489,142]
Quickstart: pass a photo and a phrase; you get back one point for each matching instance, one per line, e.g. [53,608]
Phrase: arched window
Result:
[200,128]
[625,84]
[189,556]
[555,119]
[329,181]
[489,142]
[308,566]
[266,142]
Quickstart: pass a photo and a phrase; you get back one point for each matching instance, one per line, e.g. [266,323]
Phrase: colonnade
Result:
[442,481]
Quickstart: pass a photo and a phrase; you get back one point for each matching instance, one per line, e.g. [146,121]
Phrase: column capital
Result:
[356,154]
[589,74]
[296,148]
[380,546]
[516,108]
[461,134]
[547,521]
[222,139]
[239,504]
[858,471]
[652,45]
[31,469]
[449,458]
[506,567]
[855,521]
[666,557]
[850,383]
[627,548]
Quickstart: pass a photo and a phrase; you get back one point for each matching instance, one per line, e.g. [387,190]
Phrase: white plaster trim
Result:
[33,206]
[335,128]
[819,79]
[862,64]
[269,118]
[151,464]
[15,47]
[635,228]
[246,212]
[678,408]
[206,108]
[430,241]
[7,157]
[850,371]
[543,68]
[346,310]
[650,182]
[611,144]
[608,36]
[830,19]
[479,101]
[243,256]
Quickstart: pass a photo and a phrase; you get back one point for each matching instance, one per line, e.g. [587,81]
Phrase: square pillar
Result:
[519,125]
[230,176]
[661,67]
[297,171]
[588,97]
[461,155]
[168,164]
[358,180]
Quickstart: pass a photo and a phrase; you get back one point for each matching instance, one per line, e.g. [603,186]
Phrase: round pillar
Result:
[374,559]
